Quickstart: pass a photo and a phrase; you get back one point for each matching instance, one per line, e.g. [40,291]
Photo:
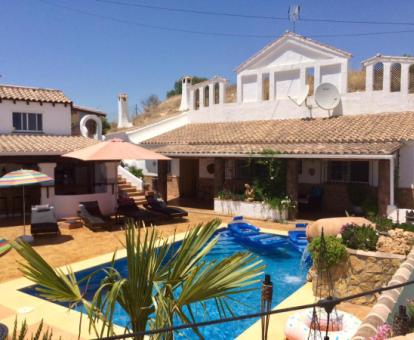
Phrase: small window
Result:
[378,75]
[30,122]
[348,172]
[337,171]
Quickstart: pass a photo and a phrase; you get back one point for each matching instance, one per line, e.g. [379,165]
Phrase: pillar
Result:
[162,179]
[192,99]
[201,96]
[384,185]
[239,89]
[316,77]
[292,182]
[222,93]
[386,81]
[47,193]
[344,77]
[219,171]
[259,87]
[405,69]
[369,78]
[272,85]
[210,94]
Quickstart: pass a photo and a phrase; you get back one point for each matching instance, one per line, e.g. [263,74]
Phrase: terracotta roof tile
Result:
[373,133]
[11,145]
[12,92]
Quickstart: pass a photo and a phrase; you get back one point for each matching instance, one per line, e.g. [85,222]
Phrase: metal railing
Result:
[328,304]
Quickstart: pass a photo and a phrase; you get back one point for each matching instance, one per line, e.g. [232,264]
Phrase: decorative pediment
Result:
[292,49]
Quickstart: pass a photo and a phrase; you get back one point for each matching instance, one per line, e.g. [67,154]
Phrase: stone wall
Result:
[361,271]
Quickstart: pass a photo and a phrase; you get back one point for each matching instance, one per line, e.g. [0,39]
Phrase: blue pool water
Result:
[283,264]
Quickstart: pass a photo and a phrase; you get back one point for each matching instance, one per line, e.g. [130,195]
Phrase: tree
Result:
[178,85]
[150,103]
[106,126]
[163,283]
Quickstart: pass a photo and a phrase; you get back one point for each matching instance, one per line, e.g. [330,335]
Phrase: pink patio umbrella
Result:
[115,150]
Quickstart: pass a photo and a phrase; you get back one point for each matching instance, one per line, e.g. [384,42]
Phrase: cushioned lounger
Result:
[43,220]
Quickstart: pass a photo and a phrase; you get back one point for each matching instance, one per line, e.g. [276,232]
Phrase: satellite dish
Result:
[327,96]
[300,99]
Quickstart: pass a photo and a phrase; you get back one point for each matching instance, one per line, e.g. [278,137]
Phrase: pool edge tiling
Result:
[62,320]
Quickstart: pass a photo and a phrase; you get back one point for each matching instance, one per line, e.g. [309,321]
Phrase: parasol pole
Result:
[24,214]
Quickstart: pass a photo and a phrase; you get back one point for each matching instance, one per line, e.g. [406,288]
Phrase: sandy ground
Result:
[82,243]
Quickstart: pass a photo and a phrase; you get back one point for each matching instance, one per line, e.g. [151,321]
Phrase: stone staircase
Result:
[130,190]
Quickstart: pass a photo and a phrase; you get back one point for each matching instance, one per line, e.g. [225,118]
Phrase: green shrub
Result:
[335,251]
[359,237]
[382,223]
[136,171]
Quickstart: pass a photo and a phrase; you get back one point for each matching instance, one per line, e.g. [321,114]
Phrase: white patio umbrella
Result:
[21,178]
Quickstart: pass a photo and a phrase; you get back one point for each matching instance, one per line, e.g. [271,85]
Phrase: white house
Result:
[366,139]
[35,130]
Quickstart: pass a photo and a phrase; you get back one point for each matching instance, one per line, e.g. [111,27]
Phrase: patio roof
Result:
[371,134]
[39,145]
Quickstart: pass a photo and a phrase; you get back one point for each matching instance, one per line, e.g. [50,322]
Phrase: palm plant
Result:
[164,283]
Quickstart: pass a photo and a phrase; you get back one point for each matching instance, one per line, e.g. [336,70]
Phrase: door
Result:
[188,177]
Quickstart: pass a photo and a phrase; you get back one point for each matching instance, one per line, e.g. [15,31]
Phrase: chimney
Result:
[123,119]
[185,93]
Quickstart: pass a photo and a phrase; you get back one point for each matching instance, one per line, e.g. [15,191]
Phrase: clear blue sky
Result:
[92,59]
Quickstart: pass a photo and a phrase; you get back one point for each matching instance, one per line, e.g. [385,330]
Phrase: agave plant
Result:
[164,283]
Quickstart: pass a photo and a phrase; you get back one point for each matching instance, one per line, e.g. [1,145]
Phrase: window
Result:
[242,169]
[354,172]
[378,74]
[31,122]
[80,178]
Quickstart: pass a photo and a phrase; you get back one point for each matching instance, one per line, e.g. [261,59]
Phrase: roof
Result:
[297,37]
[88,110]
[379,134]
[390,58]
[34,145]
[33,94]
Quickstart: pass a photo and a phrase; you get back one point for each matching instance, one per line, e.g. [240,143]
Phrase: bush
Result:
[359,237]
[136,171]
[335,251]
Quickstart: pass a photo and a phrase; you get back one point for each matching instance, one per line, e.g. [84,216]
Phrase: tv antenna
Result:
[327,97]
[294,15]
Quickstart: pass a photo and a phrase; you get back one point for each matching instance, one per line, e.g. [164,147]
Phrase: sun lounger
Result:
[91,215]
[157,205]
[43,220]
[129,209]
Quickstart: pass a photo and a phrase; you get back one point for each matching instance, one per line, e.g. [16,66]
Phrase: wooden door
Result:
[188,177]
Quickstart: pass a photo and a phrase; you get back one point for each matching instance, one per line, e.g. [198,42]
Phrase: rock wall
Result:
[361,271]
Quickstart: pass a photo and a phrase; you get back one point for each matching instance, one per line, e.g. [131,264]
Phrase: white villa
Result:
[367,139]
[35,130]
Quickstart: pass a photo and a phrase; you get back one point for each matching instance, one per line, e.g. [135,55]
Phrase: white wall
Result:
[351,104]
[68,205]
[331,74]
[311,171]
[287,83]
[140,134]
[406,179]
[56,119]
[203,163]
[249,88]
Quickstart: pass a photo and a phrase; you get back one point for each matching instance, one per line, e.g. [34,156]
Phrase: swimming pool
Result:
[283,264]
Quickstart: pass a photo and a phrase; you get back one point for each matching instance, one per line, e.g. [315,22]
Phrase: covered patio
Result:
[338,157]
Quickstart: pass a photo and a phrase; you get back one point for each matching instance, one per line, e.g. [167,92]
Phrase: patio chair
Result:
[43,220]
[158,205]
[92,217]
[129,209]
[313,199]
